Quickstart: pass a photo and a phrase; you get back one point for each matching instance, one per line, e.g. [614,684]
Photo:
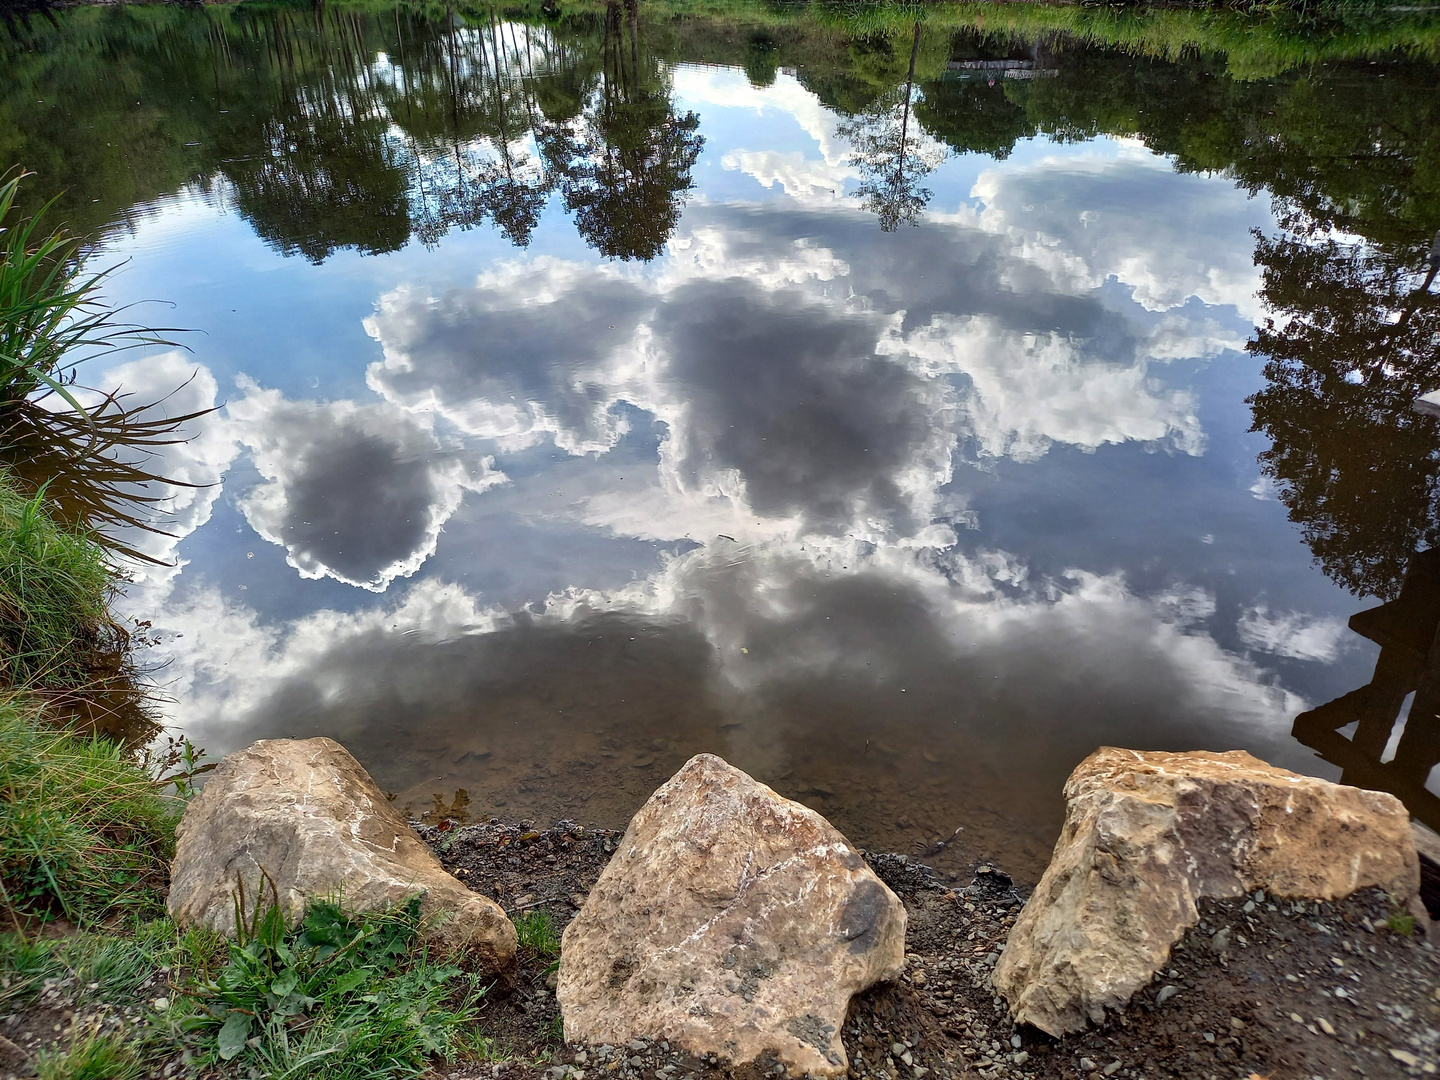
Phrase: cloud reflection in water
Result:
[822,395]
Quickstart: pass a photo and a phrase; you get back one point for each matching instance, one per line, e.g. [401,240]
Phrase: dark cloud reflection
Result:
[793,396]
[357,493]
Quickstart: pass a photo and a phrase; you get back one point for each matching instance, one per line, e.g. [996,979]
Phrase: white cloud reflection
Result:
[172,384]
[1292,634]
[811,389]
[1118,210]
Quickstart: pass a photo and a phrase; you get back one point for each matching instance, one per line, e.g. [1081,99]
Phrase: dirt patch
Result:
[1254,989]
[57,1020]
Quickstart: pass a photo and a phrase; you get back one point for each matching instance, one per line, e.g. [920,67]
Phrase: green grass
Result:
[536,931]
[54,584]
[335,998]
[118,968]
[93,1056]
[116,973]
[1400,922]
[84,830]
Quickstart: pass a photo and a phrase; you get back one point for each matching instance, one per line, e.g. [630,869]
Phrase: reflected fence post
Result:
[1406,631]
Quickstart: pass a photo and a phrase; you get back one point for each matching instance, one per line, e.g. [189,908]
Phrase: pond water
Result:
[879,405]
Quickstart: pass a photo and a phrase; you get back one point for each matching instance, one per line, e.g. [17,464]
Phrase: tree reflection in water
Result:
[1358,468]
[890,154]
[627,166]
[1350,344]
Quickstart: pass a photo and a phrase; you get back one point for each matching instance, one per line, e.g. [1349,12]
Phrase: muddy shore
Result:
[1262,987]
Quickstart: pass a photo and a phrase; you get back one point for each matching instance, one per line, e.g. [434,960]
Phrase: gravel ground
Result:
[1260,988]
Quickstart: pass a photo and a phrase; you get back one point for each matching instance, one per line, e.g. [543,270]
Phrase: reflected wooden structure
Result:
[1409,662]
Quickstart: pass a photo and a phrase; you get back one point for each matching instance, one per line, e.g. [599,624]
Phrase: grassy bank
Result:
[335,998]
[84,830]
[90,966]
[54,583]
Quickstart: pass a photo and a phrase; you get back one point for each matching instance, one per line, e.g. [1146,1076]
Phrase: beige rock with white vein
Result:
[1147,834]
[730,921]
[308,814]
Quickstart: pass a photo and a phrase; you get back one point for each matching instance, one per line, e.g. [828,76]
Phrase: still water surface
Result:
[880,406]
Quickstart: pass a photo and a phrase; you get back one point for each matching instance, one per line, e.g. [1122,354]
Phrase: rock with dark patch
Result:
[14,1061]
[730,921]
[1148,834]
[300,818]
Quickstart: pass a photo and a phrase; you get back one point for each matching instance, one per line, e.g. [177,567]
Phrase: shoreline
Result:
[1264,989]
[1223,1010]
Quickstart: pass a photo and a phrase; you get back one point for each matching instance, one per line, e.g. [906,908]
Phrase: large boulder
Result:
[730,921]
[1148,834]
[306,813]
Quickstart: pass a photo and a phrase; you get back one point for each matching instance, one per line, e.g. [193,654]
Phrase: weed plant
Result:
[335,998]
[84,830]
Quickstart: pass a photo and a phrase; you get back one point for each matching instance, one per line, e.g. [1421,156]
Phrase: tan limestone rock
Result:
[730,921]
[308,814]
[1147,834]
